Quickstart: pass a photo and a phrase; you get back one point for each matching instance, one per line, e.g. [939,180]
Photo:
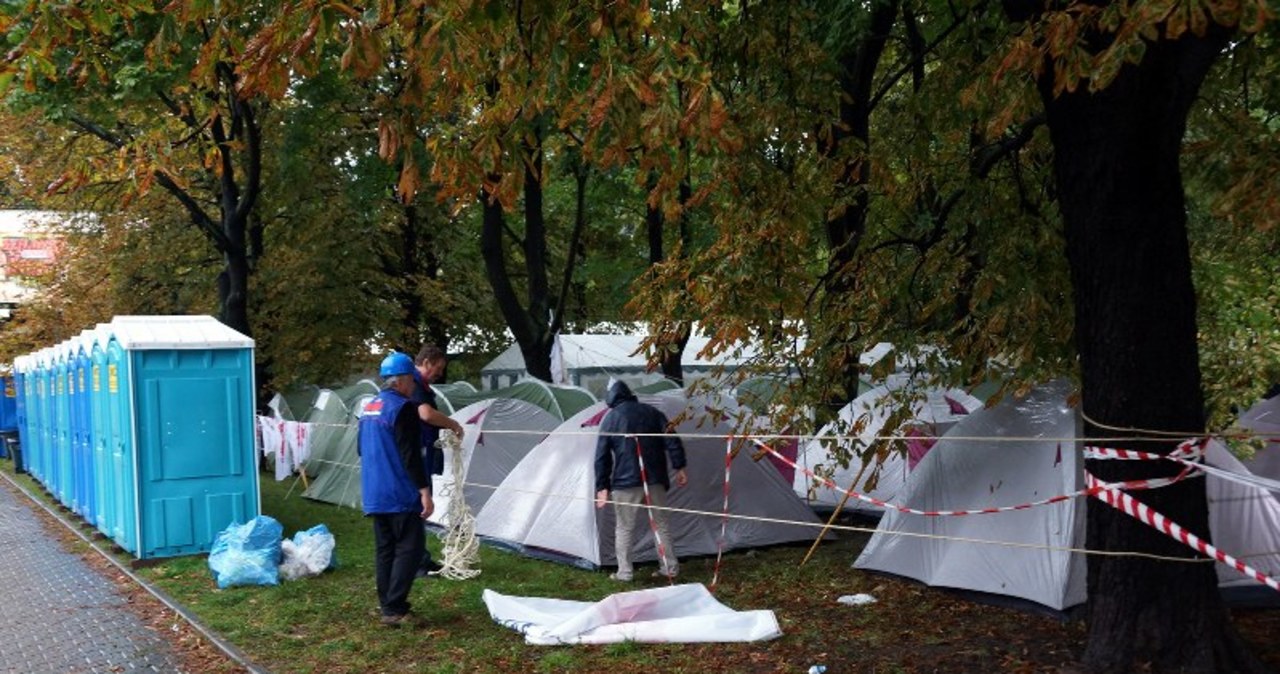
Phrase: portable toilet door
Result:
[47,419]
[100,436]
[76,485]
[8,411]
[65,465]
[9,404]
[21,382]
[39,383]
[84,442]
[58,423]
[48,448]
[190,384]
[121,466]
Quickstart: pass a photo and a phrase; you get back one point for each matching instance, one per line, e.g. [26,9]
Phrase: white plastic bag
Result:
[308,554]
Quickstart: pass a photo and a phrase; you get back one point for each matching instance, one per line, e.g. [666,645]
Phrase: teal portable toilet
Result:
[64,466]
[82,428]
[122,488]
[184,399]
[75,486]
[33,456]
[47,417]
[100,435]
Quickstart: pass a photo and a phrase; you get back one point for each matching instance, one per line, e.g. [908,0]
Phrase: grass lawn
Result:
[329,623]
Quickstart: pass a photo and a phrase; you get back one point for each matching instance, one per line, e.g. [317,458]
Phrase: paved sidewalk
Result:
[57,614]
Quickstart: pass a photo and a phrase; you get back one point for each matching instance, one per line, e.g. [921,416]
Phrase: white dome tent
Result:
[545,507]
[1039,461]
[858,425]
[498,433]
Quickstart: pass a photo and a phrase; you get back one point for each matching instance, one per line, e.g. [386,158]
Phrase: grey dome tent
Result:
[562,401]
[1264,419]
[498,433]
[1038,461]
[856,428]
[334,461]
[545,507]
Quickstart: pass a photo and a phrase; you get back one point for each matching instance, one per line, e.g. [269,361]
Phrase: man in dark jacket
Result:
[395,489]
[632,450]
[428,367]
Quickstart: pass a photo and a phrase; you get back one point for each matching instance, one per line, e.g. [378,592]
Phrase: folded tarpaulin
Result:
[673,614]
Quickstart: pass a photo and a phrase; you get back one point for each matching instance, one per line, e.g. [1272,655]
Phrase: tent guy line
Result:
[857,529]
[1230,434]
[938,513]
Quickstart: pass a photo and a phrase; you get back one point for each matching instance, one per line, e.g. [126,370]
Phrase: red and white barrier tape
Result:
[830,484]
[1112,495]
[648,502]
[1188,453]
[724,517]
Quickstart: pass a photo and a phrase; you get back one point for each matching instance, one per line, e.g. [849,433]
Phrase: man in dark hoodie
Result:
[631,433]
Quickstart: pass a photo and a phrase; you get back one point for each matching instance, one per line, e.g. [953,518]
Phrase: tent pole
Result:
[826,527]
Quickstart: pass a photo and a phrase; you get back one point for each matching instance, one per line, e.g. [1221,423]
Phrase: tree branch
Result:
[199,217]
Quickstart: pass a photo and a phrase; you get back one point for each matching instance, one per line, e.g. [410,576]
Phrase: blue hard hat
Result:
[394,364]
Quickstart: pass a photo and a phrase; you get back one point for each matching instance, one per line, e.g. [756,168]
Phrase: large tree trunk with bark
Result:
[233,294]
[1120,191]
[671,337]
[849,142]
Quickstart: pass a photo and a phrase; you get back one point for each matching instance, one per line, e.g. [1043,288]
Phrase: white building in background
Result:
[28,246]
[592,360]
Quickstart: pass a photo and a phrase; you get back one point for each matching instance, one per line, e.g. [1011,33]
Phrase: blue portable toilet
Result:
[8,410]
[48,429]
[76,476]
[35,415]
[47,417]
[82,429]
[182,391]
[63,469]
[100,433]
[22,381]
[21,367]
[121,470]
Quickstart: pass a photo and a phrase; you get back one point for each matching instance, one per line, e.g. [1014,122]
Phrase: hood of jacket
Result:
[619,392]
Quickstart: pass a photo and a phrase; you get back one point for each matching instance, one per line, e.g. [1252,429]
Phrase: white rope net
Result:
[461,547]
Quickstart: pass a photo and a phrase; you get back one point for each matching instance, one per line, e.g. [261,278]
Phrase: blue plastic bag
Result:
[247,554]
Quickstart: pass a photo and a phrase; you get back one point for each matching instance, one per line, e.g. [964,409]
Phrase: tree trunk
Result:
[532,327]
[1120,191]
[672,339]
[233,295]
[848,142]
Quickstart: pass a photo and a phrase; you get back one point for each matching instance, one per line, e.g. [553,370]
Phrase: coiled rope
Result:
[461,549]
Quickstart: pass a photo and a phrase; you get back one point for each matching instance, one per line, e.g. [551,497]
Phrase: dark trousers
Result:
[398,542]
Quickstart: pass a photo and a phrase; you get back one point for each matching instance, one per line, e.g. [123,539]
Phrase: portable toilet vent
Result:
[181,434]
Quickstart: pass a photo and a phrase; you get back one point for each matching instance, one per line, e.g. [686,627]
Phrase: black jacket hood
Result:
[619,392]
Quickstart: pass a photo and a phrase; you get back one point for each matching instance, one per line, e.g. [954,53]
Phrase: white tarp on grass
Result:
[674,614]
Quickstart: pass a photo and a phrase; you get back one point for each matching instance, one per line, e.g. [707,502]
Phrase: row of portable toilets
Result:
[144,427]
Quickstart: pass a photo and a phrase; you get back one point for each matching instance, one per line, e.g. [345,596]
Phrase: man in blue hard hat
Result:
[428,368]
[396,490]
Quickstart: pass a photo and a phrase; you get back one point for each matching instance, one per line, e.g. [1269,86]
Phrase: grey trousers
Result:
[630,514]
